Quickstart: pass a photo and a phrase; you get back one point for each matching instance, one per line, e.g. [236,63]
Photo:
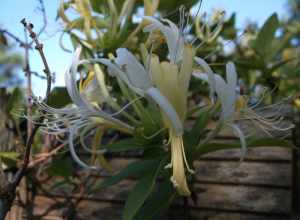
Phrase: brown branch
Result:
[39,47]
[44,156]
[27,71]
[8,194]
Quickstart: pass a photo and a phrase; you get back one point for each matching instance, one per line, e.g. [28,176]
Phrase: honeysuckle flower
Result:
[81,114]
[172,79]
[166,83]
[210,75]
[226,92]
[174,37]
[235,108]
[127,68]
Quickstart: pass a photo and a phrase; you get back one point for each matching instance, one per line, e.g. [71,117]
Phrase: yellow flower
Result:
[173,82]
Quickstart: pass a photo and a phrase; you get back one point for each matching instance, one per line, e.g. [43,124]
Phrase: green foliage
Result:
[61,167]
[141,191]
[134,169]
[9,155]
[58,97]
[264,41]
[15,101]
[159,200]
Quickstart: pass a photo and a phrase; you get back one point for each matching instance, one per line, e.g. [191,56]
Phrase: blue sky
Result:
[12,11]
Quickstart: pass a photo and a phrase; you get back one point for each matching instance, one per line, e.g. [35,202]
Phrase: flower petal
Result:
[210,74]
[231,75]
[117,72]
[175,40]
[134,70]
[73,152]
[167,108]
[238,132]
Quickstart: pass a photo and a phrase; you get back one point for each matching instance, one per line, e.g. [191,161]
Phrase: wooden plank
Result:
[267,154]
[243,199]
[228,172]
[296,184]
[174,214]
[94,210]
[246,173]
[213,196]
[296,168]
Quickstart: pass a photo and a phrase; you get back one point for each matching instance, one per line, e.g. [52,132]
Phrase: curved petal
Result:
[167,108]
[134,70]
[117,72]
[175,40]
[210,75]
[178,177]
[231,75]
[73,152]
[238,132]
[71,84]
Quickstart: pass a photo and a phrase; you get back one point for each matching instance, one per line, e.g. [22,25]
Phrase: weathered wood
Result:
[296,168]
[92,210]
[230,172]
[264,154]
[211,196]
[258,188]
[246,199]
[245,173]
[226,188]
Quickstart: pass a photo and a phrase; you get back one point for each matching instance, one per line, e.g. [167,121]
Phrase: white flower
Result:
[166,84]
[235,109]
[127,68]
[81,114]
[173,36]
[226,92]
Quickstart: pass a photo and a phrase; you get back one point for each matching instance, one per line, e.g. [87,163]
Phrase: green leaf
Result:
[128,144]
[165,194]
[134,169]
[192,137]
[228,30]
[263,142]
[61,167]
[15,101]
[140,192]
[155,152]
[9,155]
[58,97]
[265,37]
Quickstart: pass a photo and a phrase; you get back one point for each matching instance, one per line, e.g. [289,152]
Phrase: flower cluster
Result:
[162,81]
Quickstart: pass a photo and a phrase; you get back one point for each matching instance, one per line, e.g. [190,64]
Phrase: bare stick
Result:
[7,195]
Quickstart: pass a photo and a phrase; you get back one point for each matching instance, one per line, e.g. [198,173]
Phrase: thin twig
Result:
[29,89]
[15,38]
[7,196]
[39,47]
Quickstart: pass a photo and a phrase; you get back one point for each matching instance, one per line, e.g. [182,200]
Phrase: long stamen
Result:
[184,157]
[155,133]
[126,106]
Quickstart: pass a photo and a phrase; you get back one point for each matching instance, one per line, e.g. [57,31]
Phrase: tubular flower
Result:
[226,92]
[82,114]
[172,79]
[166,83]
[235,108]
